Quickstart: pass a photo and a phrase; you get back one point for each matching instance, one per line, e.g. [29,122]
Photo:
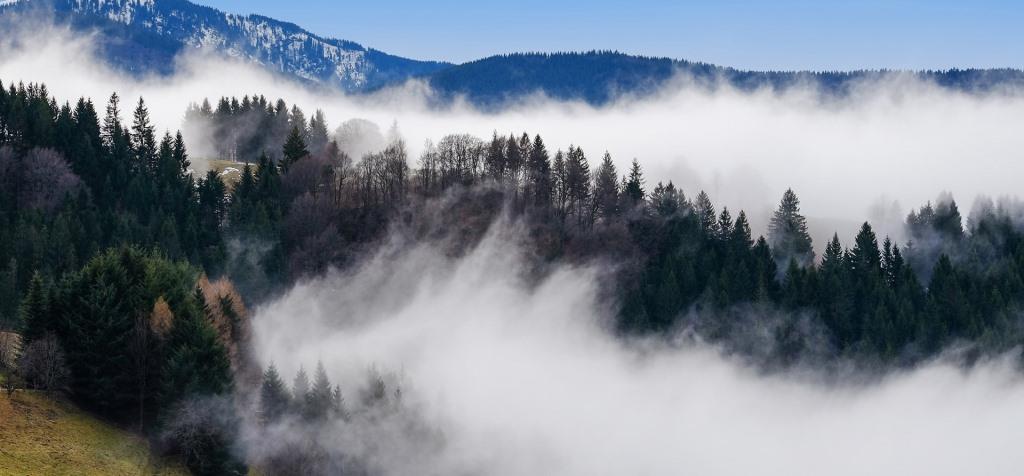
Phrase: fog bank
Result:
[525,380]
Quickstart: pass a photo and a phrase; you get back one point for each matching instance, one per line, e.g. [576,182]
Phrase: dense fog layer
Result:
[889,146]
[524,380]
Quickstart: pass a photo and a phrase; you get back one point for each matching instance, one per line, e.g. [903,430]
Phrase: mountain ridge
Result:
[144,36]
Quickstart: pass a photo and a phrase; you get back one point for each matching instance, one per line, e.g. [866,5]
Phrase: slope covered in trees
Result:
[107,240]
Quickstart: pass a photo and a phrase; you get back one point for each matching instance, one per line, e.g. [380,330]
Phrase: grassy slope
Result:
[43,435]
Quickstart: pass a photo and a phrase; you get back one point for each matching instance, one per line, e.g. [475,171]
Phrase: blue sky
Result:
[784,34]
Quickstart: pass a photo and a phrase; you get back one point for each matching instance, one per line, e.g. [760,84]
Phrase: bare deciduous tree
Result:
[42,364]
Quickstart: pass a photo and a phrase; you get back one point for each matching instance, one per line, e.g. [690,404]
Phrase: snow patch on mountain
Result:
[279,46]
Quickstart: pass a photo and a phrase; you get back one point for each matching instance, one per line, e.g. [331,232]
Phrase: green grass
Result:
[44,435]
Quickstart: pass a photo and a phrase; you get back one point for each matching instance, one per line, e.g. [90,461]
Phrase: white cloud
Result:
[524,380]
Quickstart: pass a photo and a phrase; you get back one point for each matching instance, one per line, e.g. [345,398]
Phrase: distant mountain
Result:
[599,76]
[144,36]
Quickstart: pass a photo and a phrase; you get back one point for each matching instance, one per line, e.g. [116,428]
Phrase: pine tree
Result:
[787,231]
[538,167]
[865,255]
[297,123]
[294,149]
[634,189]
[606,189]
[300,391]
[318,135]
[338,403]
[741,237]
[559,179]
[112,121]
[724,226]
[494,162]
[832,261]
[197,362]
[35,311]
[319,399]
[513,160]
[947,220]
[274,399]
[144,145]
[577,176]
[706,215]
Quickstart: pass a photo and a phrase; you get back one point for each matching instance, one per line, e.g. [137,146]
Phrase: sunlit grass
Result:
[44,435]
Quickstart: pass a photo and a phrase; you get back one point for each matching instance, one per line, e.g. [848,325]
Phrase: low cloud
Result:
[523,378]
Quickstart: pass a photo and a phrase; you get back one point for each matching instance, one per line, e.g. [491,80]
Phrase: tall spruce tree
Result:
[787,232]
[634,189]
[294,149]
[606,189]
[274,398]
[35,311]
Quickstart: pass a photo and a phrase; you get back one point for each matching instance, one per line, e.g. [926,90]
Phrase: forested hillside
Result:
[127,274]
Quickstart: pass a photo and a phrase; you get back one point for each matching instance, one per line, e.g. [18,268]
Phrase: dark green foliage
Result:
[294,149]
[274,398]
[634,189]
[606,190]
[538,174]
[196,363]
[131,189]
[787,232]
[36,318]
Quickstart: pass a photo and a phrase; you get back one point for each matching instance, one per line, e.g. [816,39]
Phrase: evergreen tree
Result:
[706,215]
[294,149]
[787,231]
[865,256]
[634,189]
[832,261]
[143,137]
[606,189]
[538,167]
[35,311]
[577,177]
[300,391]
[741,237]
[494,162]
[197,362]
[724,226]
[320,398]
[274,398]
[318,135]
[513,161]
